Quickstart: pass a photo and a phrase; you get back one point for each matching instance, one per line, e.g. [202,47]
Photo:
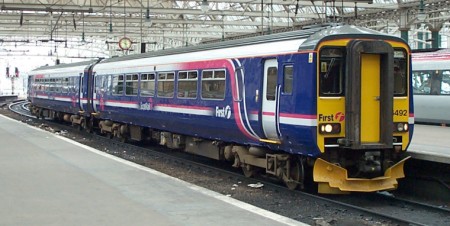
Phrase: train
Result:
[431,86]
[329,105]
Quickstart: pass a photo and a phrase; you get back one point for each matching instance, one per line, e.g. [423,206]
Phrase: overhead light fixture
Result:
[82,33]
[205,6]
[74,24]
[21,18]
[110,18]
[148,21]
[421,16]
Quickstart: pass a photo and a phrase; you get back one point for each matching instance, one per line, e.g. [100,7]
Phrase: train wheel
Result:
[294,175]
[248,170]
[87,125]
[84,125]
[77,126]
[123,139]
[40,114]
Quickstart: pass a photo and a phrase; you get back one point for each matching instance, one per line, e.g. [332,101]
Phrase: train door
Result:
[370,98]
[369,94]
[30,88]
[81,90]
[270,99]
[90,90]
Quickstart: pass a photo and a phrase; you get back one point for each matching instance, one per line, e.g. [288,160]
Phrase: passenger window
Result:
[47,85]
[117,84]
[288,77]
[445,84]
[131,84]
[435,82]
[72,84]
[272,73]
[187,84]
[213,84]
[422,82]
[52,85]
[400,73]
[99,83]
[331,71]
[65,85]
[166,84]
[148,85]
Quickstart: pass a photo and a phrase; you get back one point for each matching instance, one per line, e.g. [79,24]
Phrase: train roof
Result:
[307,39]
[431,54]
[312,37]
[64,67]
[332,32]
[431,59]
[278,37]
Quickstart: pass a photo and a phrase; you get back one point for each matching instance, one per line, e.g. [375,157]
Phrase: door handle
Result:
[257,95]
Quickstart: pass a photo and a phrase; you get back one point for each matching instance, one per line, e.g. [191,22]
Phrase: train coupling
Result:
[333,179]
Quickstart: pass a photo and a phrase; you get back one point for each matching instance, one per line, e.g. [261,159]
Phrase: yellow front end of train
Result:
[363,108]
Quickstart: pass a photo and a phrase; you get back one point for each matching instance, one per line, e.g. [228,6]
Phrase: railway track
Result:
[375,207]
[21,107]
[408,211]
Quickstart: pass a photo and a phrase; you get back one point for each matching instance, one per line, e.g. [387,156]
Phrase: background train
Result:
[333,103]
[431,86]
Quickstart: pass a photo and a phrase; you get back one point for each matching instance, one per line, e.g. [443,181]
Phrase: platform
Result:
[4,99]
[46,179]
[430,143]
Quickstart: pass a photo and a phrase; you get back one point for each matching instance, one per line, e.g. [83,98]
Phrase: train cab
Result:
[363,113]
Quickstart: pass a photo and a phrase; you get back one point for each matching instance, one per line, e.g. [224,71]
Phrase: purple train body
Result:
[280,103]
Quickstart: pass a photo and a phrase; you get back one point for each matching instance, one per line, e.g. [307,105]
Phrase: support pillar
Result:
[436,38]
[420,44]
[404,25]
[404,33]
[435,27]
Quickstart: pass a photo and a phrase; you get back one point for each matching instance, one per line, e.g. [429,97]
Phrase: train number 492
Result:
[400,112]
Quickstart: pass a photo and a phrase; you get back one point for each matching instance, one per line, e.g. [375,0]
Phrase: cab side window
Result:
[288,78]
[400,73]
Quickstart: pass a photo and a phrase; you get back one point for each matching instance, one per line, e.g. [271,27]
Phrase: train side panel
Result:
[57,88]
[298,112]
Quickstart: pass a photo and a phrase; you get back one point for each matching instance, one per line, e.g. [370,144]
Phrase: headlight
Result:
[401,127]
[329,128]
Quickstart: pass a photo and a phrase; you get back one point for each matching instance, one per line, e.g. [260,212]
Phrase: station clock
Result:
[125,43]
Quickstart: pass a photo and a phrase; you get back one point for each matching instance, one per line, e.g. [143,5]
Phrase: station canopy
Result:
[94,27]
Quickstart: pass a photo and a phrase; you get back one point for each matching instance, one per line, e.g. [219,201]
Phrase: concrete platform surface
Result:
[431,143]
[47,179]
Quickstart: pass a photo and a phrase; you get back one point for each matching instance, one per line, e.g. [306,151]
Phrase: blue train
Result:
[333,103]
